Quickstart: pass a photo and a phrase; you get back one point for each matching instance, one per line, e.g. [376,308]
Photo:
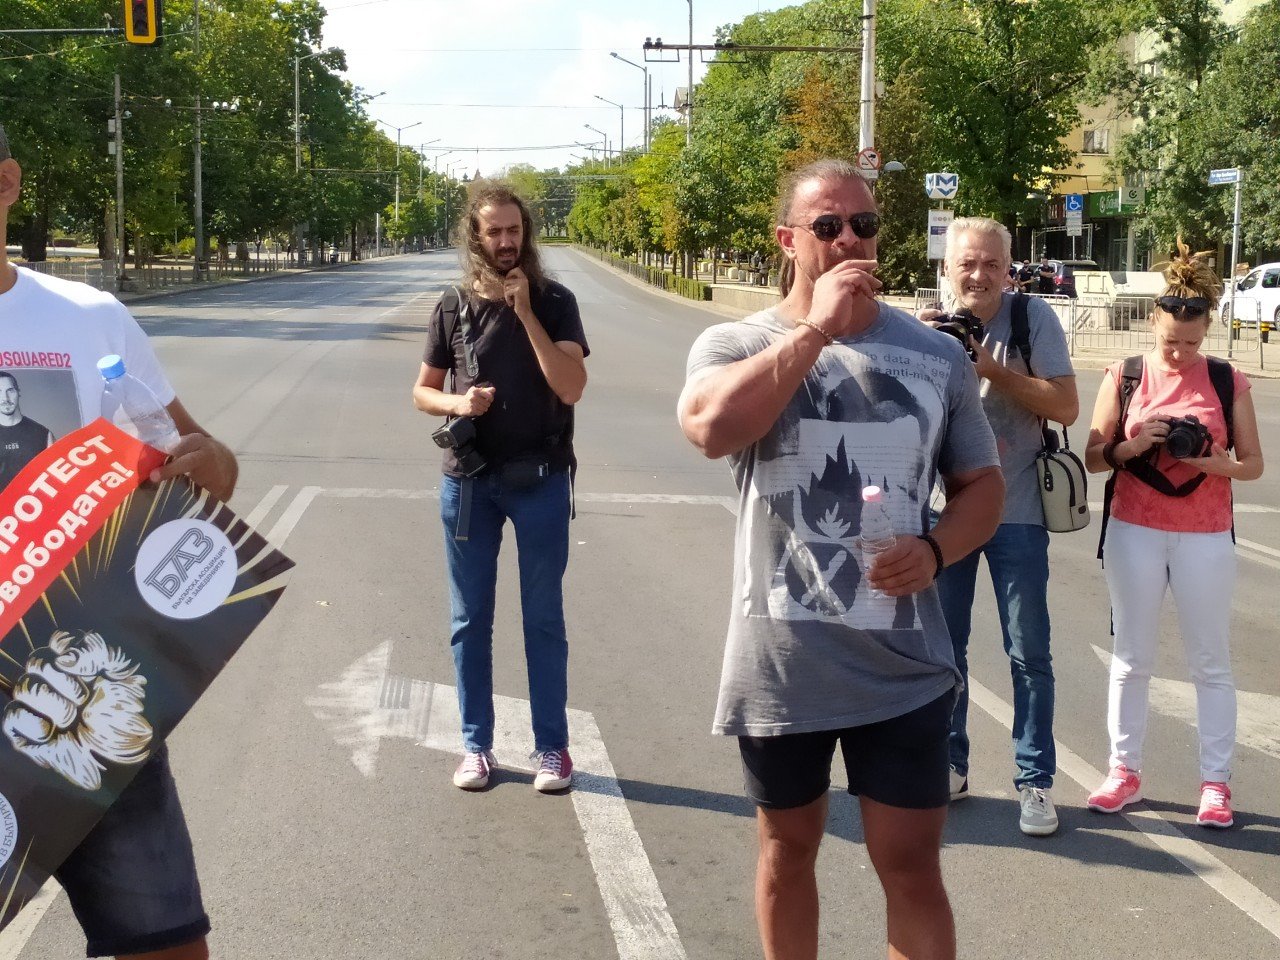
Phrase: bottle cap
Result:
[872,495]
[111,367]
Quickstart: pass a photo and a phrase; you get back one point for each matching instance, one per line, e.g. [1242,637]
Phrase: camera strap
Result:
[456,311]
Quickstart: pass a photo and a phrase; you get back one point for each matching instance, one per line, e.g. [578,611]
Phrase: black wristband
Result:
[937,552]
[1109,456]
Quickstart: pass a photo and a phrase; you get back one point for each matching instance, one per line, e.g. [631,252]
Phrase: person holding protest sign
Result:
[132,880]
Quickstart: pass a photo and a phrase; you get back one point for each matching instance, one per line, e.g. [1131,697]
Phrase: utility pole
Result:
[119,151]
[688,93]
[867,115]
[199,172]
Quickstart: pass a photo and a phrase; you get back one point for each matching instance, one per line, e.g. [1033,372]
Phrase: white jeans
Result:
[1200,569]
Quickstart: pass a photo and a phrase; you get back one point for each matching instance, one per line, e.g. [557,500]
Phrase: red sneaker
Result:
[1121,788]
[555,771]
[1215,805]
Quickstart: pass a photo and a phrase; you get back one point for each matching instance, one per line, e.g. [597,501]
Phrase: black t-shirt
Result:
[19,445]
[526,418]
[1044,279]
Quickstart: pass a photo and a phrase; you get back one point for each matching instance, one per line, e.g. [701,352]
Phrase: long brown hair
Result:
[826,170]
[475,264]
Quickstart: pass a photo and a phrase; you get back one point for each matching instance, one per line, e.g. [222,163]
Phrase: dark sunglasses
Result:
[1176,306]
[829,226]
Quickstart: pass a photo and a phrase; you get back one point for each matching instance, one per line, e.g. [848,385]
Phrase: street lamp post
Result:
[297,111]
[604,136]
[648,96]
[435,178]
[398,130]
[622,124]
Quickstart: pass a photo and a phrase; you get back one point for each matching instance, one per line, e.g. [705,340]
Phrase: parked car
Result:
[1064,275]
[1258,296]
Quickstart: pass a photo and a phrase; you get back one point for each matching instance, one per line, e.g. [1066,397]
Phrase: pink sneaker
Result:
[1215,805]
[1121,788]
[555,771]
[473,772]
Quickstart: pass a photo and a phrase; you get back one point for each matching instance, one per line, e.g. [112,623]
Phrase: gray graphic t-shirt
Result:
[1017,429]
[809,646]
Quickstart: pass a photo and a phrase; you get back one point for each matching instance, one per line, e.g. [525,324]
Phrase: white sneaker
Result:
[959,786]
[1038,818]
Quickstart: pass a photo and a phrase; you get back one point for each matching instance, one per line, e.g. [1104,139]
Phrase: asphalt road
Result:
[316,770]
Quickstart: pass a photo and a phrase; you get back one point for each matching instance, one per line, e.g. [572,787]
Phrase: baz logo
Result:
[8,830]
[174,570]
[185,569]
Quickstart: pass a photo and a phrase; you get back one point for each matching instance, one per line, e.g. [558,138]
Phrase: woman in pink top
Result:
[1157,541]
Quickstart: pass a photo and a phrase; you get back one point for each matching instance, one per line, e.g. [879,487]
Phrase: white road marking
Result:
[292,514]
[15,936]
[369,703]
[1198,859]
[1257,714]
[269,500]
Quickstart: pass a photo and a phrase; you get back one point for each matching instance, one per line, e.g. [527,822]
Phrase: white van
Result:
[1258,296]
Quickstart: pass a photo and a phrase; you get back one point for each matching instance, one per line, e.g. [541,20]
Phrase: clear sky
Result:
[496,80]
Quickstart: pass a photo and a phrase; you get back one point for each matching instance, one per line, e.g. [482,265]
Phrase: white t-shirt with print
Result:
[52,335]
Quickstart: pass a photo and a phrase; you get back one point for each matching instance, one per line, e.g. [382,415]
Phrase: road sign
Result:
[939,220]
[1219,177]
[869,159]
[941,186]
[1075,203]
[1075,223]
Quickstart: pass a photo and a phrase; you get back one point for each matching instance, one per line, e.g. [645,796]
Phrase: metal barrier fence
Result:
[1123,324]
[153,276]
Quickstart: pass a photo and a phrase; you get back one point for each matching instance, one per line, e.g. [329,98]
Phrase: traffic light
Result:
[142,21]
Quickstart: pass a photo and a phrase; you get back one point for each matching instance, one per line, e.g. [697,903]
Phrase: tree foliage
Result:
[57,93]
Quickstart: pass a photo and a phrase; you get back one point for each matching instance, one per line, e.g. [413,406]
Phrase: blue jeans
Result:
[540,516]
[1018,558]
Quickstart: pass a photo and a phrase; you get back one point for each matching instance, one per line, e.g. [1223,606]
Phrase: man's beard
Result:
[501,270]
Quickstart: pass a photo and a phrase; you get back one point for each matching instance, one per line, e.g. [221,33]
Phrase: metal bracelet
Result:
[804,321]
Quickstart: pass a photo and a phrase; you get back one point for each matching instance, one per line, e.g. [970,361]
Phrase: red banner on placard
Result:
[59,501]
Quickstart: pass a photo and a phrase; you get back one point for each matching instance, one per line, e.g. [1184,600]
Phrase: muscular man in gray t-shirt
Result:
[812,401]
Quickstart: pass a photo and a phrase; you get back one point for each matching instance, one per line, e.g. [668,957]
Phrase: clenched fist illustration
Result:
[77,706]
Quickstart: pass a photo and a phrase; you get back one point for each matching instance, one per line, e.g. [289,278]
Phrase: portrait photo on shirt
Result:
[47,399]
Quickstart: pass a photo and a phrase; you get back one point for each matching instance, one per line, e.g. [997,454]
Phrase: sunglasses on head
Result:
[830,225]
[1178,306]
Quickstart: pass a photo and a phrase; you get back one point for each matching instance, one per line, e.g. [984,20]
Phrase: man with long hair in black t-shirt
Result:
[517,388]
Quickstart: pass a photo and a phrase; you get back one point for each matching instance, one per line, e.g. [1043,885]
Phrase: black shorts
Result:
[132,881]
[900,762]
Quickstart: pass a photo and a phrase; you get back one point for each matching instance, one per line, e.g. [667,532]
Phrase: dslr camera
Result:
[459,435]
[1187,437]
[962,325]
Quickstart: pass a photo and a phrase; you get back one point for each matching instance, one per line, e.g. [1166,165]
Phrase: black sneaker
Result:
[959,786]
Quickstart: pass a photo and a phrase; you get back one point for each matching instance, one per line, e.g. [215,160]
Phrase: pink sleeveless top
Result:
[1175,394]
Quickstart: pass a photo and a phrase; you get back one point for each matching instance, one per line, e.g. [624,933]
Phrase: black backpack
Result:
[1222,377]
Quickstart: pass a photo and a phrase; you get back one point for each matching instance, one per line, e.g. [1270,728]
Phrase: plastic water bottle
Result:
[877,529]
[132,406]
